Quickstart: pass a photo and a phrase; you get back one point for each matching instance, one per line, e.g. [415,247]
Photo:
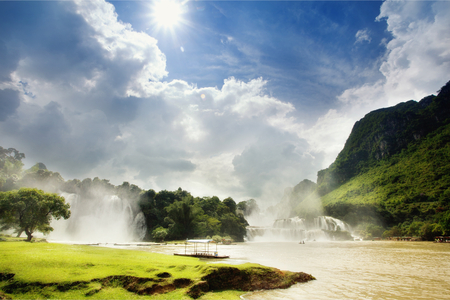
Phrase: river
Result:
[347,270]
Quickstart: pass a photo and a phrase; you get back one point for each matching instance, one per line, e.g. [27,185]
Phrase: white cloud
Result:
[363,35]
[214,133]
[329,134]
[417,64]
[418,61]
[122,44]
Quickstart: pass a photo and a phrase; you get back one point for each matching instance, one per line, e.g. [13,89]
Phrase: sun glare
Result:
[167,13]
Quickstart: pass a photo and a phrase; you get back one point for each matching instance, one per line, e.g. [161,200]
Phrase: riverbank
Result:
[50,270]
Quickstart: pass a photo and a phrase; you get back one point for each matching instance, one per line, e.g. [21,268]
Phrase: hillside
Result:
[411,185]
[383,133]
[393,172]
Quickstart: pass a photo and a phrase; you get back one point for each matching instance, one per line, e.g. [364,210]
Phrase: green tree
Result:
[206,225]
[10,168]
[31,210]
[232,225]
[414,228]
[374,230]
[152,214]
[445,222]
[159,234]
[429,231]
[40,178]
[182,215]
[209,205]
[231,204]
[394,231]
[128,191]
[72,186]
[248,207]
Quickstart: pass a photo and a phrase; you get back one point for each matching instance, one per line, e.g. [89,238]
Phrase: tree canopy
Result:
[179,215]
[31,210]
[10,167]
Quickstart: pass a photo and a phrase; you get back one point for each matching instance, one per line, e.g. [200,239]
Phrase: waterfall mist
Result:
[298,216]
[101,219]
[321,228]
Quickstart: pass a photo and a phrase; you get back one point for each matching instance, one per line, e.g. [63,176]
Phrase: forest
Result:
[169,215]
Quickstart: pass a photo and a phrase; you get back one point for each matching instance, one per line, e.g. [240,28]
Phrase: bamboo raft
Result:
[205,253]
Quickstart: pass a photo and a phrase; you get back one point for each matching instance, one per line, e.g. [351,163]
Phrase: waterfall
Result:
[297,229]
[100,220]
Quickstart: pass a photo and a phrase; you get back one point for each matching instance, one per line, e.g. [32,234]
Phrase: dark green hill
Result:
[394,169]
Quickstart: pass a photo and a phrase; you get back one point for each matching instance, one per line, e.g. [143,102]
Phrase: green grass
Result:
[44,270]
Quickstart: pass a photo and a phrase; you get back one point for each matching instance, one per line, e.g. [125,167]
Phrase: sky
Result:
[236,99]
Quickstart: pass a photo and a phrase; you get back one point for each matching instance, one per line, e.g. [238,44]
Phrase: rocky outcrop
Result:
[248,279]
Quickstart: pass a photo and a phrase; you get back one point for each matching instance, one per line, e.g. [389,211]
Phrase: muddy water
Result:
[348,270]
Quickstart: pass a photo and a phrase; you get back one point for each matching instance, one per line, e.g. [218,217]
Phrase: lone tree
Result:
[31,210]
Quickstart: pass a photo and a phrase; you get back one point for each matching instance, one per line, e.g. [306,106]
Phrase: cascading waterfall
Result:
[110,219]
[297,229]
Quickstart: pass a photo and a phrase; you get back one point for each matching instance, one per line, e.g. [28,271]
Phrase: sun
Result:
[167,13]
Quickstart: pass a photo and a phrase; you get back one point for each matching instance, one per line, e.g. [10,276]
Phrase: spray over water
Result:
[322,228]
[104,219]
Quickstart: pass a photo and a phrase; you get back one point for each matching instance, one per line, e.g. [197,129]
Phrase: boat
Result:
[201,252]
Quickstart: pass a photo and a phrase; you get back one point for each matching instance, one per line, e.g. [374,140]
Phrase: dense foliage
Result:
[179,215]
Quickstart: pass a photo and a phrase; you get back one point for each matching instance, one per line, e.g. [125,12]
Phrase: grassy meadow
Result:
[49,270]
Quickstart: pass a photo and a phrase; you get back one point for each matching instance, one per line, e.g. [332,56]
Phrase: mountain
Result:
[384,133]
[394,170]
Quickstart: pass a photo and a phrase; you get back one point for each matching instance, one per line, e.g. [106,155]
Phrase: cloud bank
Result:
[88,97]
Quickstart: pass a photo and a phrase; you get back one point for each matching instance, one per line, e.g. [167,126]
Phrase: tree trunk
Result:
[29,235]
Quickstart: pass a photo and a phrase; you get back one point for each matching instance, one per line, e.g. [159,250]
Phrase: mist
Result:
[104,219]
[298,216]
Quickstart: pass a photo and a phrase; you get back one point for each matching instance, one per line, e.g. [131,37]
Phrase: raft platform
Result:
[201,253]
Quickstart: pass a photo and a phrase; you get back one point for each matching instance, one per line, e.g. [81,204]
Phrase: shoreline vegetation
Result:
[41,270]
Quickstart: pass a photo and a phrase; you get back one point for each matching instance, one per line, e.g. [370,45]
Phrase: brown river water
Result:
[346,270]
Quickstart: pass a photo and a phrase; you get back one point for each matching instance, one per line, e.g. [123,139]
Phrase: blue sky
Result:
[305,50]
[239,98]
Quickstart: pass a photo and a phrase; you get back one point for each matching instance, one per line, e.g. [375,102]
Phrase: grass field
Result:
[41,270]
[48,270]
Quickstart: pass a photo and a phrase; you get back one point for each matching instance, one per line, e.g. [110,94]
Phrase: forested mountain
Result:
[393,172]
[384,133]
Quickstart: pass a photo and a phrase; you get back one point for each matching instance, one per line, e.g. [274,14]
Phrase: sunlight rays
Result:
[167,14]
